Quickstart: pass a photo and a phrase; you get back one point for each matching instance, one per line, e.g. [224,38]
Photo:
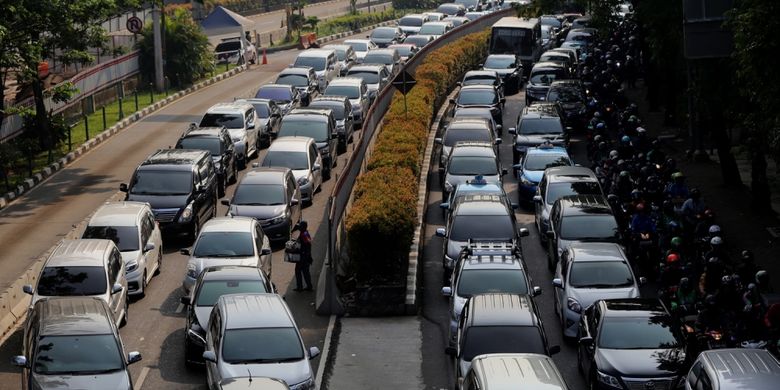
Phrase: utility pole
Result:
[159,77]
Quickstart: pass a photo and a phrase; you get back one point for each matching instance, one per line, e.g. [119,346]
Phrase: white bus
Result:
[521,36]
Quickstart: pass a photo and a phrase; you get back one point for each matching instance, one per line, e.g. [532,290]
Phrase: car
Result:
[304,79]
[256,334]
[451,9]
[419,40]
[584,218]
[498,323]
[532,166]
[84,267]
[346,56]
[456,20]
[385,36]
[571,96]
[436,29]
[319,125]
[325,63]
[484,77]
[212,283]
[622,340]
[552,20]
[481,96]
[477,186]
[73,343]
[464,129]
[571,52]
[486,267]
[509,67]
[468,159]
[471,5]
[235,50]
[286,97]
[387,57]
[556,183]
[732,369]
[479,112]
[579,46]
[356,90]
[341,108]
[269,116]
[181,187]
[498,370]
[252,383]
[582,36]
[411,23]
[474,15]
[537,125]
[559,58]
[549,36]
[132,228]
[375,76]
[301,155]
[227,241]
[582,22]
[434,16]
[405,50]
[240,119]
[216,141]
[361,47]
[270,195]
[477,217]
[541,76]
[587,272]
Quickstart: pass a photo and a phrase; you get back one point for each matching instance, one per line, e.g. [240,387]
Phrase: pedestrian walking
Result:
[302,272]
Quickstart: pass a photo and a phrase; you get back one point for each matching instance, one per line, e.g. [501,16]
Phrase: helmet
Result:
[762,276]
[597,114]
[752,287]
[632,119]
[677,175]
[625,139]
[636,194]
[640,207]
[641,130]
[600,125]
[726,279]
[710,300]
[624,173]
[672,258]
[684,282]
[716,241]
[597,138]
[613,154]
[747,255]
[714,230]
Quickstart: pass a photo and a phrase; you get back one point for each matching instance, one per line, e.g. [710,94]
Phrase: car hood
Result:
[202,314]
[586,296]
[640,362]
[537,139]
[237,133]
[456,180]
[299,173]
[204,262]
[290,372]
[161,201]
[258,212]
[534,176]
[114,380]
[131,256]
[382,41]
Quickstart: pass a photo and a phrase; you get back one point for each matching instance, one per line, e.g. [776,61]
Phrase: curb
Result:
[31,182]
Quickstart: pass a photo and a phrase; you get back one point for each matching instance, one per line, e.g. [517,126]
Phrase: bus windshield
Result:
[506,40]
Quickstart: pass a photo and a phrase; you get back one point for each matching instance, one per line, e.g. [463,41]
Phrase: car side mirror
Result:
[294,202]
[210,356]
[19,361]
[123,187]
[523,232]
[446,291]
[557,282]
[185,251]
[555,349]
[185,300]
[116,288]
[586,341]
[133,357]
[316,167]
[497,141]
[537,291]
[537,199]
[28,289]
[512,130]
[437,141]
[149,247]
[314,352]
[459,83]
[441,232]
[451,351]
[518,167]
[225,202]
[444,205]
[265,251]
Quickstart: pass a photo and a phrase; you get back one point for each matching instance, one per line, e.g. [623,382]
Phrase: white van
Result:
[513,371]
[732,369]
[325,63]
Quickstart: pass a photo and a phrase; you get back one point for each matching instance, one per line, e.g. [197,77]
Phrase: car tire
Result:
[195,230]
[221,187]
[125,317]
[159,263]
[143,285]
[550,262]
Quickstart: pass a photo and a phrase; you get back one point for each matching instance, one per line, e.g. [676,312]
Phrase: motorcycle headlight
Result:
[448,187]
[131,266]
[192,271]
[186,215]
[305,385]
[573,305]
[608,380]
[303,181]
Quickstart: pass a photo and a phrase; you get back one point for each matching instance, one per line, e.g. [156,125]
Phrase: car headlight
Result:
[303,181]
[573,305]
[280,218]
[186,215]
[131,266]
[192,270]
[305,385]
[196,337]
[608,380]
[448,187]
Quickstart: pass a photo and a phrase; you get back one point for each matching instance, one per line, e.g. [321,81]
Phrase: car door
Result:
[315,159]
[561,272]
[552,241]
[145,233]
[213,337]
[228,156]
[251,131]
[541,190]
[154,238]
[261,241]
[116,276]
[590,326]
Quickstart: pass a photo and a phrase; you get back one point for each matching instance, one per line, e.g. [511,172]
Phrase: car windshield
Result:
[545,76]
[224,244]
[350,91]
[472,166]
[125,237]
[231,121]
[480,80]
[600,274]
[540,126]
[472,97]
[404,50]
[296,80]
[496,62]
[147,182]
[417,41]
[286,159]
[383,33]
[554,57]
[565,95]
[318,63]
[482,281]
[262,345]
[72,281]
[228,46]
[432,29]
[378,58]
[367,76]
[550,21]
[261,109]
[556,191]
[279,95]
[497,227]
[77,355]
[337,109]
[258,195]
[316,129]
[454,135]
[480,340]
[589,227]
[467,3]
[358,46]
[540,162]
[211,290]
[654,332]
[209,144]
[410,21]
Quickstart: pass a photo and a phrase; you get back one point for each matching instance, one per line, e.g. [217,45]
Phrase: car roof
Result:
[73,316]
[570,173]
[472,148]
[547,65]
[504,371]
[228,224]
[304,70]
[501,310]
[176,157]
[118,214]
[473,111]
[499,260]
[469,123]
[232,272]
[265,175]
[313,114]
[585,205]
[632,307]
[746,368]
[80,253]
[276,86]
[475,73]
[291,144]
[241,311]
[382,51]
[547,150]
[350,81]
[316,52]
[365,67]
[596,251]
[359,40]
[482,205]
[229,108]
[477,86]
[512,56]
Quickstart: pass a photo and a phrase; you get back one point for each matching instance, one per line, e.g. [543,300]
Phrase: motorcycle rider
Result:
[710,279]
[692,207]
[746,269]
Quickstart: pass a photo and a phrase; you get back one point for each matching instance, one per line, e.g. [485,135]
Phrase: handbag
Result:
[292,251]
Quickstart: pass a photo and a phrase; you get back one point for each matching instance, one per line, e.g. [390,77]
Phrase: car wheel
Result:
[126,315]
[221,187]
[234,176]
[143,285]
[550,262]
[159,263]
[195,230]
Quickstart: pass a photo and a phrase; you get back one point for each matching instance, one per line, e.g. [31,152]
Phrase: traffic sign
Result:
[404,82]
[134,24]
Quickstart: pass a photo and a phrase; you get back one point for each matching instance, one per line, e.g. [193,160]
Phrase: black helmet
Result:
[710,300]
[747,256]
[695,193]
[685,283]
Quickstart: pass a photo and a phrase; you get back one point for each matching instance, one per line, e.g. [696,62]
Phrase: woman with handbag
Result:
[302,272]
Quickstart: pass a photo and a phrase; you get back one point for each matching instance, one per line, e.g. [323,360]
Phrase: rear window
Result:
[454,135]
[589,228]
[279,95]
[495,62]
[352,92]
[292,160]
[228,46]
[432,29]
[367,76]
[337,109]
[231,121]
[72,281]
[318,63]
[378,58]
[540,126]
[556,191]
[316,129]
[472,166]
[502,339]
[477,97]
[540,162]
[210,144]
[210,291]
[296,80]
[546,76]
[224,244]
[125,237]
[565,95]
[482,281]
[411,21]
[497,227]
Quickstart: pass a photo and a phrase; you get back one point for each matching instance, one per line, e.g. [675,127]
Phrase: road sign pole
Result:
[159,81]
[406,112]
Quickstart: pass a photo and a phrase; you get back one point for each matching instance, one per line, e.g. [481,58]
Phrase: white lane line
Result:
[179,308]
[325,351]
[141,378]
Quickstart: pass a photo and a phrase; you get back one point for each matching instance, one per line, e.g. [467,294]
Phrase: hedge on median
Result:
[381,223]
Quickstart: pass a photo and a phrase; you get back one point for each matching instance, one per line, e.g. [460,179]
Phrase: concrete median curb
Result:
[31,182]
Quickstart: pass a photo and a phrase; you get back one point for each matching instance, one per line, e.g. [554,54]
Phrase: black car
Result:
[481,96]
[570,94]
[212,283]
[507,66]
[541,76]
[342,112]
[181,187]
[484,77]
[303,78]
[215,140]
[452,9]
[270,116]
[320,125]
[631,344]
[385,36]
[286,97]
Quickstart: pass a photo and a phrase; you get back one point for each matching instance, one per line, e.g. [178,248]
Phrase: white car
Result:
[241,121]
[236,50]
[236,241]
[132,227]
[301,155]
[361,47]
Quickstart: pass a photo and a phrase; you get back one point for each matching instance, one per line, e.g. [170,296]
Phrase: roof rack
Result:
[490,247]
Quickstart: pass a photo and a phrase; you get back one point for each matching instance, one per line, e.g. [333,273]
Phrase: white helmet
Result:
[714,230]
[716,241]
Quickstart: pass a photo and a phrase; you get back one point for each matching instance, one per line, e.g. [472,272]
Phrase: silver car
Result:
[556,183]
[356,90]
[301,155]
[241,121]
[73,343]
[586,273]
[256,334]
[375,76]
[228,241]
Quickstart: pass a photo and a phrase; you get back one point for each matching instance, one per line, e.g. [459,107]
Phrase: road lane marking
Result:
[141,378]
[324,354]
[179,308]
